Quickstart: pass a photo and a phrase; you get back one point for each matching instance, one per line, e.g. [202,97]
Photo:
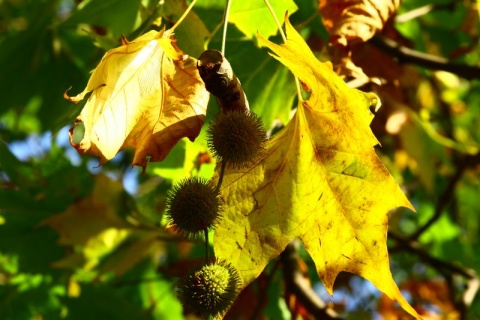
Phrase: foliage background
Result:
[77,240]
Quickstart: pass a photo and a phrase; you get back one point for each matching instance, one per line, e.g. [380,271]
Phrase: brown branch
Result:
[407,55]
[443,202]
[444,267]
[297,284]
[262,294]
[220,80]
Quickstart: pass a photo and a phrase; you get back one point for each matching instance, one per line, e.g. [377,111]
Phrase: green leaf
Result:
[153,291]
[172,167]
[102,302]
[40,301]
[274,99]
[21,238]
[192,25]
[442,231]
[117,15]
[253,16]
[46,59]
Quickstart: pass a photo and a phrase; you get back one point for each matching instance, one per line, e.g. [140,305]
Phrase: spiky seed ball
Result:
[193,205]
[209,289]
[237,137]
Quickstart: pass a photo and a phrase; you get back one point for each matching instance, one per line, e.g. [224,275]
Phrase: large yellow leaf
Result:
[146,94]
[320,181]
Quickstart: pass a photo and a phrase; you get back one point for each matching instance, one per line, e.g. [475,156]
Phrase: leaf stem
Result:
[172,29]
[205,231]
[284,37]
[220,179]
[279,26]
[429,61]
[212,34]
[262,294]
[225,24]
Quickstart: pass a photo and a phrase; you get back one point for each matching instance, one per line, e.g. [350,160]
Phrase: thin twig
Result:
[446,268]
[212,34]
[135,282]
[407,55]
[414,247]
[172,29]
[262,296]
[420,11]
[447,195]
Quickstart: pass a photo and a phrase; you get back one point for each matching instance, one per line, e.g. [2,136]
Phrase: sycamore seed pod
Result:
[237,137]
[209,289]
[193,206]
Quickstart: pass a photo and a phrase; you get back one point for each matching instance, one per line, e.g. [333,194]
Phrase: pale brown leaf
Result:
[355,20]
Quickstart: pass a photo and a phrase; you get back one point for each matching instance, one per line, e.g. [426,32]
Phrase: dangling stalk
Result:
[220,178]
[212,34]
[279,26]
[172,29]
[225,24]
[206,245]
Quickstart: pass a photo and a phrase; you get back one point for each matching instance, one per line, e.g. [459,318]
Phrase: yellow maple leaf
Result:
[91,215]
[94,228]
[146,94]
[320,181]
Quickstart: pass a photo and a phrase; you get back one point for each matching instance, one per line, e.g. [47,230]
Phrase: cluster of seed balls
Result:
[236,139]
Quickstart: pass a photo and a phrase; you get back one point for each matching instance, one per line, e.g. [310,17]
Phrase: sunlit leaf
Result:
[146,94]
[320,181]
[253,16]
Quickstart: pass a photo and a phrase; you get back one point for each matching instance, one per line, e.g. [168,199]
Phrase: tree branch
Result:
[407,55]
[444,200]
[220,80]
[443,267]
[297,284]
[262,292]
[420,11]
[448,194]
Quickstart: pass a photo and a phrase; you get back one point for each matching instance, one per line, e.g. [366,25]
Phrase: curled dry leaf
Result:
[146,94]
[355,20]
